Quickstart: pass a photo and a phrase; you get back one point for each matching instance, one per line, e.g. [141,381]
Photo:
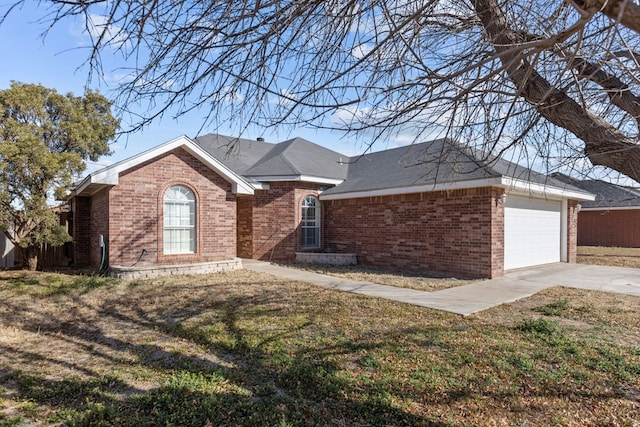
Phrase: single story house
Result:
[612,219]
[434,206]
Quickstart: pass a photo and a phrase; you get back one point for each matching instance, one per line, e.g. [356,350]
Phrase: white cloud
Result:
[286,98]
[229,95]
[98,26]
[361,50]
[347,115]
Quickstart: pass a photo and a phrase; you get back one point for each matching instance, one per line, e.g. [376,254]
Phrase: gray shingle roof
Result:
[236,153]
[300,157]
[607,195]
[293,158]
[434,162]
[408,166]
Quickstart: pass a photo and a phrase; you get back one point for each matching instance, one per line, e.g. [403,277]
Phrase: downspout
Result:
[103,254]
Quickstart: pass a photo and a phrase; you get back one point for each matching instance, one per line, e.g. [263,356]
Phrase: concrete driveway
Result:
[481,295]
[517,284]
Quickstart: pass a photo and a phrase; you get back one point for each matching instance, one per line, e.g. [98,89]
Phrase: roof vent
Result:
[260,139]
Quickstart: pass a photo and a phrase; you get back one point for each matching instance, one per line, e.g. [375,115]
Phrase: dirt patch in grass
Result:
[428,282]
[616,257]
[586,314]
[243,348]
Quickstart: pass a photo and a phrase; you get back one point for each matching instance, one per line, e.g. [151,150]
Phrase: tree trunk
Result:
[32,258]
[604,144]
[626,12]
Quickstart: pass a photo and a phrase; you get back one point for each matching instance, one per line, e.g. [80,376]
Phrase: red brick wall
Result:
[90,220]
[572,231]
[609,228]
[130,215]
[496,209]
[136,220]
[99,225]
[81,213]
[245,226]
[458,232]
[274,231]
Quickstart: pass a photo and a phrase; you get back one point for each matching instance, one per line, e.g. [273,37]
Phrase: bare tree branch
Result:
[626,12]
[498,75]
[604,144]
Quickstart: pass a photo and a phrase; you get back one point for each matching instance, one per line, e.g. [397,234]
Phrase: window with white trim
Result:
[179,220]
[310,222]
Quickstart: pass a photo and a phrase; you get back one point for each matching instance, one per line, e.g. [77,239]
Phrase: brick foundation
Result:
[175,270]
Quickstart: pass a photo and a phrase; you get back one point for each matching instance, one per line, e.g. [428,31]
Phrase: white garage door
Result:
[531,232]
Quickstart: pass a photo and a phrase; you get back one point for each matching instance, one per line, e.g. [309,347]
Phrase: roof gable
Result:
[299,157]
[110,175]
[238,154]
[293,160]
[430,166]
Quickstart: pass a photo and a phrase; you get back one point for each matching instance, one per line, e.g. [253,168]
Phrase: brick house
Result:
[426,207]
[612,219]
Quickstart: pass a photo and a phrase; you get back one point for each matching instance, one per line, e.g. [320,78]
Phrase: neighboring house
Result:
[48,256]
[612,219]
[425,207]
[7,252]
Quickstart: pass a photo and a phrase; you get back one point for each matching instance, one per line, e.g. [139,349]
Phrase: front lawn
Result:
[244,348]
[401,279]
[617,257]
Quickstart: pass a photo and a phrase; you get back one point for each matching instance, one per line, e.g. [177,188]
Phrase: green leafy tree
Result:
[45,137]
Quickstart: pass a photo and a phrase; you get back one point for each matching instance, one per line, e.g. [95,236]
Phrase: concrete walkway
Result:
[478,296]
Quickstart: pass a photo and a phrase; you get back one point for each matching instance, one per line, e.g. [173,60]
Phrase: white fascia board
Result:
[79,188]
[305,178]
[260,185]
[510,184]
[91,179]
[110,174]
[606,209]
[527,188]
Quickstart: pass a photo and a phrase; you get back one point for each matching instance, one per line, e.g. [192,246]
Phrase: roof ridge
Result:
[487,163]
[289,162]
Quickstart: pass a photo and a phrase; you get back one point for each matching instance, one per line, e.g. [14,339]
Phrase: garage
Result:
[532,231]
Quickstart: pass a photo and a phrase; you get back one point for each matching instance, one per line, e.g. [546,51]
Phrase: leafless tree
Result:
[557,77]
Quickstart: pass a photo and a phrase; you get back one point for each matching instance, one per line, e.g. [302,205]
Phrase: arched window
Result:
[310,222]
[179,220]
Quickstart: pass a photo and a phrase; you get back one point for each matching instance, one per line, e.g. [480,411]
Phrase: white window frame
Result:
[179,227]
[310,223]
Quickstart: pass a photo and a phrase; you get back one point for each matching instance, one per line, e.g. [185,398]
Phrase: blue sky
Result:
[57,61]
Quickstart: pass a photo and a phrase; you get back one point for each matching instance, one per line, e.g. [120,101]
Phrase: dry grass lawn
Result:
[244,348]
[619,257]
[401,279]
